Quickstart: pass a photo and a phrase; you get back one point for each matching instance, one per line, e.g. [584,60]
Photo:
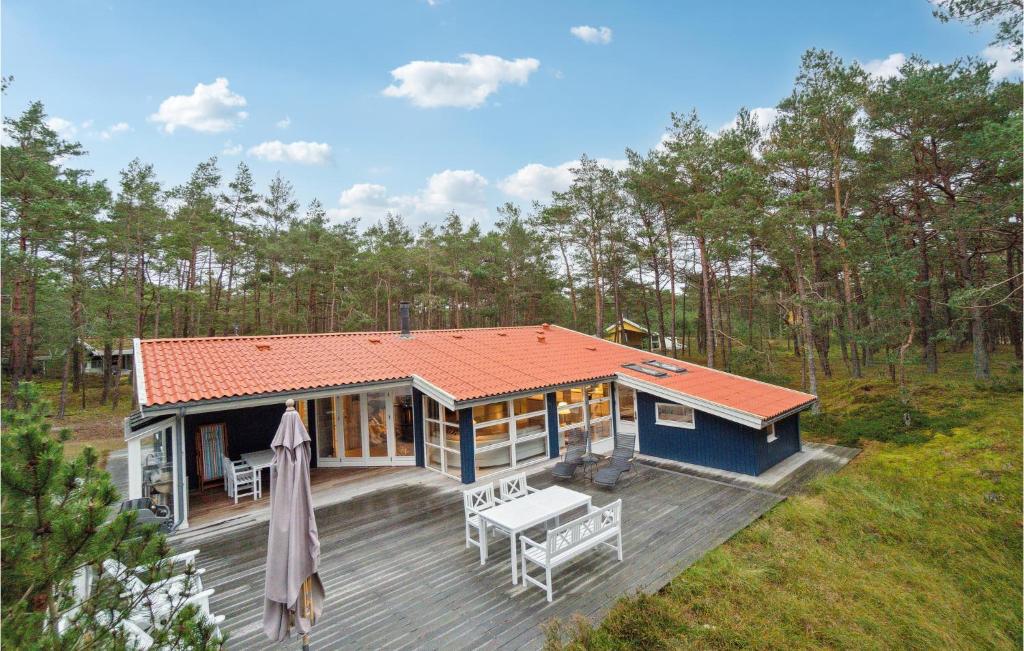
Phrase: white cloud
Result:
[764,116]
[231,149]
[886,68]
[114,129]
[211,108]
[536,182]
[1002,56]
[87,124]
[463,191]
[431,84]
[588,34]
[300,151]
[284,122]
[63,128]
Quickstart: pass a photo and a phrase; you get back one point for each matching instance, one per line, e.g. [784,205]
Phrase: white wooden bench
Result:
[602,526]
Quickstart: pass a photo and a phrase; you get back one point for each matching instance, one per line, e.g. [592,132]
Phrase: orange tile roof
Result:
[467,365]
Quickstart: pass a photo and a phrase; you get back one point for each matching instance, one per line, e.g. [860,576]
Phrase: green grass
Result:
[96,424]
[916,544]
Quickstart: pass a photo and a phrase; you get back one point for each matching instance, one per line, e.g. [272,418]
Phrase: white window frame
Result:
[674,423]
[443,448]
[513,435]
[593,420]
[770,435]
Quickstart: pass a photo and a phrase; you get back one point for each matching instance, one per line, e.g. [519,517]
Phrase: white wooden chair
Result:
[241,480]
[474,501]
[514,487]
[602,526]
[155,603]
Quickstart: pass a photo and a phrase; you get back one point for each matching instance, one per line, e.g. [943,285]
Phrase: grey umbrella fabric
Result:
[293,549]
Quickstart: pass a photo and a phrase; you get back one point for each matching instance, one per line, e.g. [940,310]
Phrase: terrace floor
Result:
[398,575]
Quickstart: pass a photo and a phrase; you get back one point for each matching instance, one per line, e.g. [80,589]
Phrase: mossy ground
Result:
[916,544]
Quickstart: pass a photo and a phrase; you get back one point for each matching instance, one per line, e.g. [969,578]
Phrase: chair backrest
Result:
[582,529]
[514,486]
[228,467]
[125,576]
[575,444]
[625,446]
[478,499]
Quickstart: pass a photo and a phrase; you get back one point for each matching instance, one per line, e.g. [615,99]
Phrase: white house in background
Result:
[94,357]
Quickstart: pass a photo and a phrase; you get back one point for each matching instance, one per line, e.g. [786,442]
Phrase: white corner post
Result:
[180,472]
[134,463]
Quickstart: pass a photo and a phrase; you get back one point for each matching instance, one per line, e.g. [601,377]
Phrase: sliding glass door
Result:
[366,429]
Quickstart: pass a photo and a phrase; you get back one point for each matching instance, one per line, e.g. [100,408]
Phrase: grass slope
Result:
[916,544]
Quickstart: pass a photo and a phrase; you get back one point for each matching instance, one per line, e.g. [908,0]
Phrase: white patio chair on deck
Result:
[475,500]
[514,487]
[241,480]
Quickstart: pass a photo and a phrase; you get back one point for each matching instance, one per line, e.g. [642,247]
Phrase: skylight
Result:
[645,370]
[665,366]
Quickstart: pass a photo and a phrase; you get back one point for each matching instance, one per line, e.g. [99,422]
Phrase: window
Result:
[510,433]
[673,415]
[325,427]
[441,441]
[570,411]
[770,433]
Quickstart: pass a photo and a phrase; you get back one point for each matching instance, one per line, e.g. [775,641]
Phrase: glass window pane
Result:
[600,409]
[433,431]
[404,438]
[529,404]
[600,391]
[569,417]
[325,427]
[600,431]
[493,460]
[627,404]
[454,462]
[377,423]
[527,451]
[433,410]
[353,425]
[451,437]
[493,434]
[531,426]
[489,412]
[569,396]
[158,468]
[451,416]
[672,413]
[433,457]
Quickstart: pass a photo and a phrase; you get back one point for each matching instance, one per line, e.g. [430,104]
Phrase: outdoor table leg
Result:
[483,541]
[515,565]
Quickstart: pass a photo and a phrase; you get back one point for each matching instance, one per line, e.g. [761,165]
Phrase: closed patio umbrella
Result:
[294,594]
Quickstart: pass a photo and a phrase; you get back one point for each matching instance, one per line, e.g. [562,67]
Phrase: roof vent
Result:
[403,318]
[591,347]
[541,338]
[374,340]
[546,326]
[665,366]
[645,370]
[502,334]
[456,336]
[262,347]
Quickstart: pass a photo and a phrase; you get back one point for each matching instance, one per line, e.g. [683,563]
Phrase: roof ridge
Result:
[352,333]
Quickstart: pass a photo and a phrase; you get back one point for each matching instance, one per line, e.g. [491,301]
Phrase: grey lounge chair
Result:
[148,512]
[574,451]
[621,462]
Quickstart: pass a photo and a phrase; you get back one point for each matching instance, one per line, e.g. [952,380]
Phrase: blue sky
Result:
[504,96]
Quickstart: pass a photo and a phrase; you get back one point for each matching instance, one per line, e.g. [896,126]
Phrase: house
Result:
[632,334]
[464,403]
[93,351]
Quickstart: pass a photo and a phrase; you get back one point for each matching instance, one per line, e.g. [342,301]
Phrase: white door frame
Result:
[364,460]
[627,427]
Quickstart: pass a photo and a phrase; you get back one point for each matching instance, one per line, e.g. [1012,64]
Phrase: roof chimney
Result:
[403,318]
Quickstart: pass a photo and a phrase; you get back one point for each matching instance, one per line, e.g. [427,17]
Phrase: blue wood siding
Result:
[552,403]
[715,442]
[466,450]
[788,442]
[417,426]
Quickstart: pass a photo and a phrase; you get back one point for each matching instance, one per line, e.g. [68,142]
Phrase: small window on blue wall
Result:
[770,433]
[673,415]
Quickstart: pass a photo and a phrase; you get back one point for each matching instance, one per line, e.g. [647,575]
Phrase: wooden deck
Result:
[398,576]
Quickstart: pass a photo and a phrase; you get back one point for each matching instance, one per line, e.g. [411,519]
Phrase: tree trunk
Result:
[705,277]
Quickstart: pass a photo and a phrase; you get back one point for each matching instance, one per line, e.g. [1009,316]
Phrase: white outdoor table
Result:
[520,514]
[258,461]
